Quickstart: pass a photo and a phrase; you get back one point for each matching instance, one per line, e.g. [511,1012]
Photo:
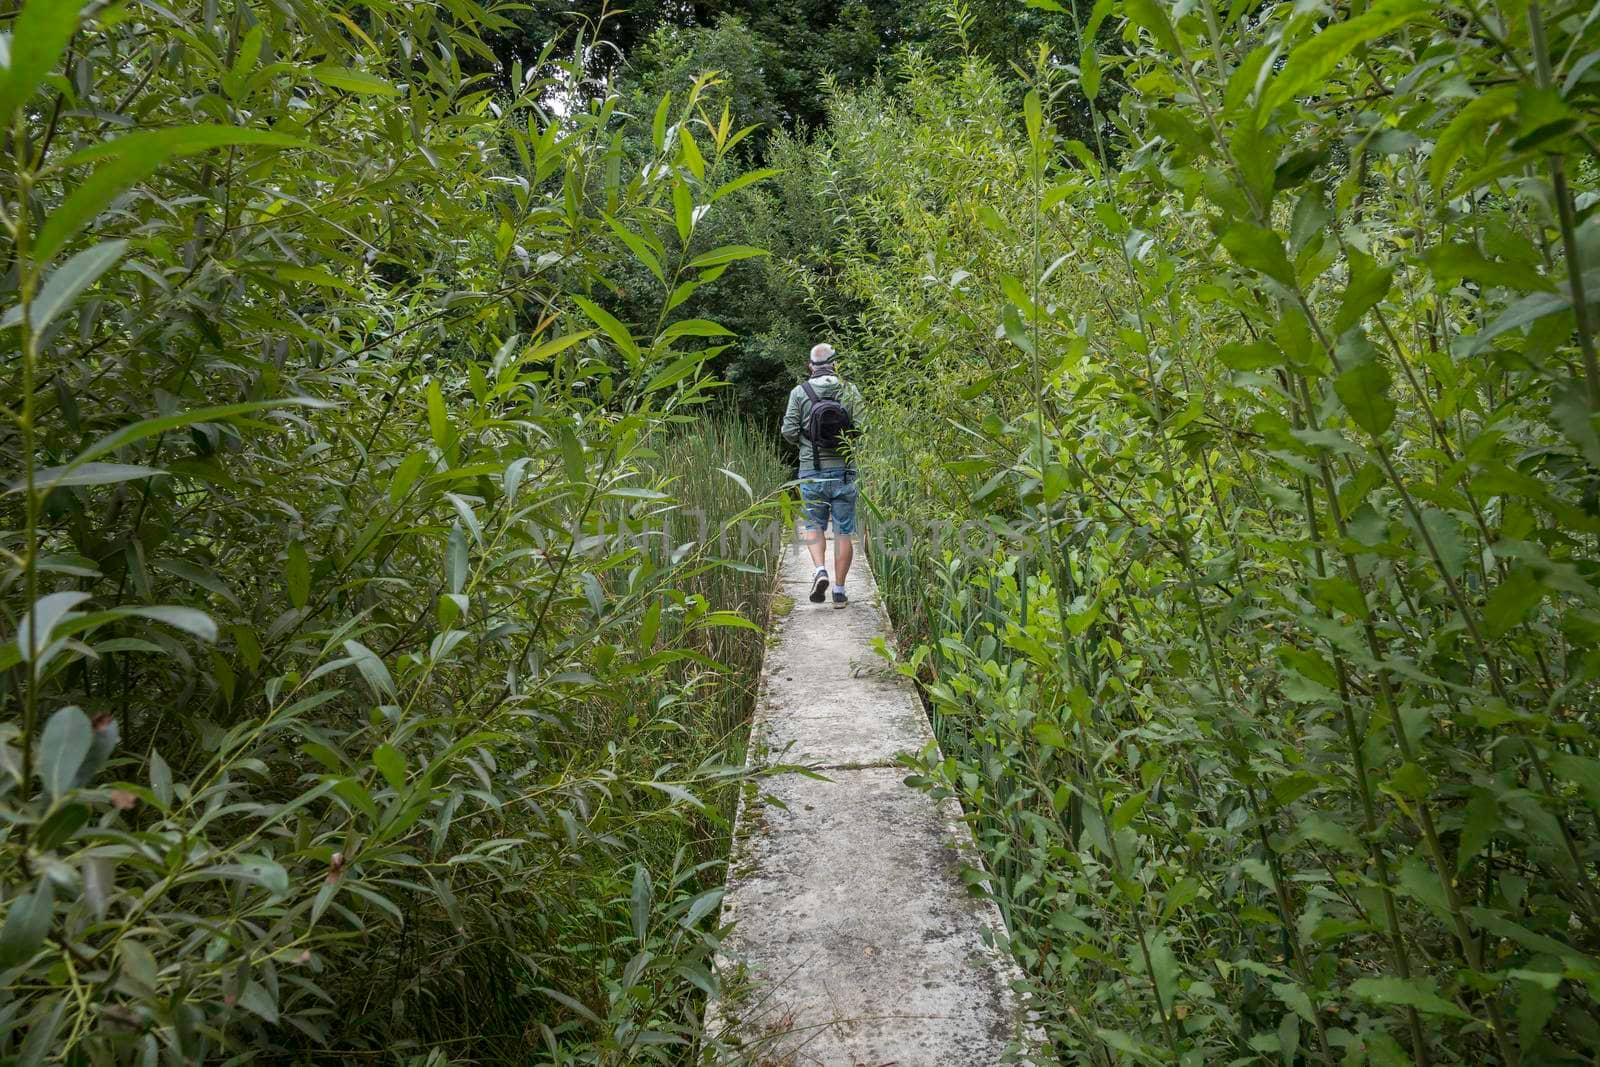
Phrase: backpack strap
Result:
[805,424]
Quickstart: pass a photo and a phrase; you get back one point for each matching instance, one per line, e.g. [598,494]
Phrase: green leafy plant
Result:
[1279,739]
[338,722]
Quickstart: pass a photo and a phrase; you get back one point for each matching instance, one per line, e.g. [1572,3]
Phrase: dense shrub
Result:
[1280,738]
[339,722]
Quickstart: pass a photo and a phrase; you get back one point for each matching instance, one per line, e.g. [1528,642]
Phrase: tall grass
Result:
[697,466]
[566,953]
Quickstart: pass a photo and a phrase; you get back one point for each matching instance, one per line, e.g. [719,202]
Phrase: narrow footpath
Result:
[857,942]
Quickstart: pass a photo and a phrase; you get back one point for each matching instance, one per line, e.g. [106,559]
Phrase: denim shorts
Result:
[829,492]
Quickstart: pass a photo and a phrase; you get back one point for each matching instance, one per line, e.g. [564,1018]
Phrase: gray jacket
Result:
[798,416]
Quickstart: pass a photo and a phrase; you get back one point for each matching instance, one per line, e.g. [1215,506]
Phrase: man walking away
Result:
[820,417]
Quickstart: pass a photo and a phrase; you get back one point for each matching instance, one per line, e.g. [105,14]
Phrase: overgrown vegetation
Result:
[357,706]
[1281,739]
[342,722]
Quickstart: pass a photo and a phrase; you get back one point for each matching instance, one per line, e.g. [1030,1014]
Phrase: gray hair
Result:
[822,357]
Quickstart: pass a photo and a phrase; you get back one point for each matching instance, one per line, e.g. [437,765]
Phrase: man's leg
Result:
[844,529]
[814,530]
[817,545]
[844,551]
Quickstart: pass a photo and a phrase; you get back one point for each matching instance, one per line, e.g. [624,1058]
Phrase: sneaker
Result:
[819,587]
[839,599]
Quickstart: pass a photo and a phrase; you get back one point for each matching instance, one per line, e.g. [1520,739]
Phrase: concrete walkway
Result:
[857,943]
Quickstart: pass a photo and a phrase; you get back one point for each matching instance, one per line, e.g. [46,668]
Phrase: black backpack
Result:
[829,425]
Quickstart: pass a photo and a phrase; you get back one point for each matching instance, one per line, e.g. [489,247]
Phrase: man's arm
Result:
[791,418]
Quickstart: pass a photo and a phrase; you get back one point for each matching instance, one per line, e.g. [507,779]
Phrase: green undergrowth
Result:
[1266,667]
[348,716]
